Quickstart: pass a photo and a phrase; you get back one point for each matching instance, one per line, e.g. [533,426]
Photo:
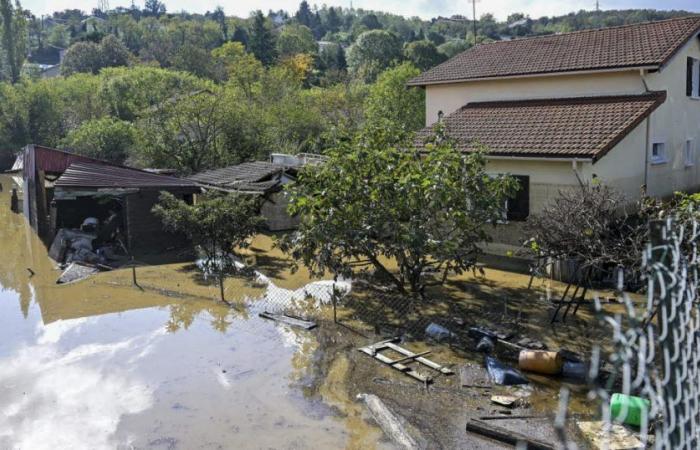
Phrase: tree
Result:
[261,41]
[154,8]
[233,63]
[220,18]
[454,47]
[304,15]
[217,225]
[389,99]
[373,52]
[371,22]
[106,138]
[333,22]
[14,39]
[592,224]
[185,133]
[82,57]
[423,54]
[332,58]
[380,200]
[295,39]
[113,52]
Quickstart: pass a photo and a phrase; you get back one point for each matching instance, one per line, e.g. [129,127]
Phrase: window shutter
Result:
[519,205]
[689,77]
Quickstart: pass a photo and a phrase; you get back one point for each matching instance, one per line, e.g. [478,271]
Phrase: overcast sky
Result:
[423,8]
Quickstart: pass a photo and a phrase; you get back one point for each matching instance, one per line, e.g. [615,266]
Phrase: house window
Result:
[689,153]
[518,206]
[692,78]
[658,153]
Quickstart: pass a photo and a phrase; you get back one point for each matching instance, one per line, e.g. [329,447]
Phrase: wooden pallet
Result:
[408,357]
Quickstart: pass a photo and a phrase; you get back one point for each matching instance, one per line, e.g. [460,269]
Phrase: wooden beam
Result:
[506,436]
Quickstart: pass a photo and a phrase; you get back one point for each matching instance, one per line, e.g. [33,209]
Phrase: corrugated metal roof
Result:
[96,175]
[250,172]
[52,160]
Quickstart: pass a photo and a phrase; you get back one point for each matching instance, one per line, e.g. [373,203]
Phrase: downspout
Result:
[642,74]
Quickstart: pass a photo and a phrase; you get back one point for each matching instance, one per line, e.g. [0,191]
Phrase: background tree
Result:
[390,99]
[373,52]
[185,133]
[14,40]
[261,41]
[154,8]
[378,199]
[295,39]
[217,225]
[113,52]
[82,57]
[423,54]
[106,138]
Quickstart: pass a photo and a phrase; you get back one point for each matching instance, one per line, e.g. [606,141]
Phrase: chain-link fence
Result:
[656,349]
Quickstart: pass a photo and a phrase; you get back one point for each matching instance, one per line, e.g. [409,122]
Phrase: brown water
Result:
[100,364]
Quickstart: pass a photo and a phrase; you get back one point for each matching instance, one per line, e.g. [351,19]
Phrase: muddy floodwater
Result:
[102,365]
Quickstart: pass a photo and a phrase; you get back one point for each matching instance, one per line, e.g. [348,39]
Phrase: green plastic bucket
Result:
[634,406]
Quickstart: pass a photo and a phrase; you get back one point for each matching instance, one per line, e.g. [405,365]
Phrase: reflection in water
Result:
[99,364]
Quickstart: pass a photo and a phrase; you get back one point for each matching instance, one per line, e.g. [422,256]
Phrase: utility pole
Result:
[597,5]
[474,17]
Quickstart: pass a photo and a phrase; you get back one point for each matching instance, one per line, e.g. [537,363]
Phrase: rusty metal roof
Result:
[103,175]
[52,160]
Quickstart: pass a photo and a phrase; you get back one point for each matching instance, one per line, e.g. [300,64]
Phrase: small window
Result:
[658,153]
[692,78]
[689,153]
[518,207]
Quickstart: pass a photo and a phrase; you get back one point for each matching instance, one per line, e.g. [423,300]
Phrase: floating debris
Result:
[76,272]
[289,320]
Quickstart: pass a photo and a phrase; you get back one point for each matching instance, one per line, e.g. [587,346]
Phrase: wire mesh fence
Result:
[656,348]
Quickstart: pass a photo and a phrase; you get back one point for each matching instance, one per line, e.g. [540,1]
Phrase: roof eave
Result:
[536,74]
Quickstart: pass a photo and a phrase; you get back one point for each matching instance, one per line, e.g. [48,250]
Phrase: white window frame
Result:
[661,158]
[689,152]
[695,76]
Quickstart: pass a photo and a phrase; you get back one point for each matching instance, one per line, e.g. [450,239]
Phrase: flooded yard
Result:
[101,364]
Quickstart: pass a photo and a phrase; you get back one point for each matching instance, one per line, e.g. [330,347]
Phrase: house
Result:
[62,189]
[619,104]
[265,179]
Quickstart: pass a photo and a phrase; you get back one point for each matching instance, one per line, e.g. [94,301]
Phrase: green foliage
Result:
[88,57]
[423,54]
[295,39]
[217,225]
[390,100]
[373,52]
[454,47]
[14,40]
[261,41]
[106,138]
[379,200]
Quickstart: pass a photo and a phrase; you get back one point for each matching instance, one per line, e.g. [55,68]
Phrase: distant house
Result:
[265,179]
[62,189]
[621,104]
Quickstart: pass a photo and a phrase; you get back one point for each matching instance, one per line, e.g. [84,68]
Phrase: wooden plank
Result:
[390,423]
[305,324]
[405,369]
[411,358]
[507,436]
[420,359]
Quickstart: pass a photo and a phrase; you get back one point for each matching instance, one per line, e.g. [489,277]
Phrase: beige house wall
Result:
[626,167]
[450,97]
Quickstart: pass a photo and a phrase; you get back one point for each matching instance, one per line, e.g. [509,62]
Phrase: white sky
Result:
[423,8]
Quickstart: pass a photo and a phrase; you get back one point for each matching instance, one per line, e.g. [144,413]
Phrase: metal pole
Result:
[668,318]
[474,13]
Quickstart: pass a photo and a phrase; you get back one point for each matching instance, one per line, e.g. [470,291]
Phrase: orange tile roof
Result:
[627,46]
[584,127]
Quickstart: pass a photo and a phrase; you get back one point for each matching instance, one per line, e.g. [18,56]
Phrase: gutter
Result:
[534,75]
[647,158]
[572,160]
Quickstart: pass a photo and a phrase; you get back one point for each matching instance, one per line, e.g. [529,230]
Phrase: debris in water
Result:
[473,376]
[400,364]
[438,332]
[531,344]
[544,362]
[619,438]
[289,320]
[31,272]
[508,436]
[505,400]
[503,374]
[76,272]
[393,425]
[485,345]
